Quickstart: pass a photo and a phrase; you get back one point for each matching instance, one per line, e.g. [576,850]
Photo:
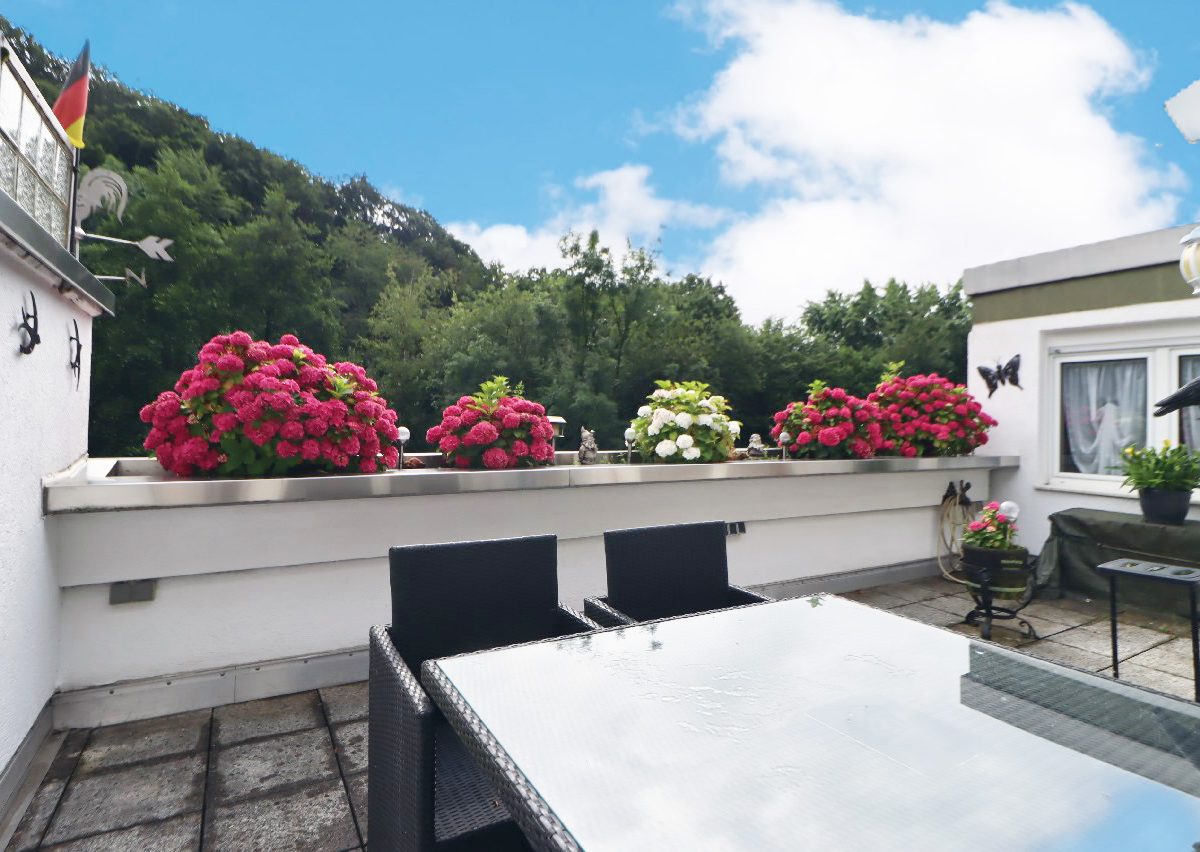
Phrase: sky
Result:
[785,147]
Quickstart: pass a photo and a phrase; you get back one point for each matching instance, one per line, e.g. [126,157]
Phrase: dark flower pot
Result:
[1164,507]
[1006,571]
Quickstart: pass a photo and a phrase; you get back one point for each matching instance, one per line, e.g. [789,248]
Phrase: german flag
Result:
[71,107]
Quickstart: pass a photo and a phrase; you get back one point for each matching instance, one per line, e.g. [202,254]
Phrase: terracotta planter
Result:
[1164,507]
[1006,571]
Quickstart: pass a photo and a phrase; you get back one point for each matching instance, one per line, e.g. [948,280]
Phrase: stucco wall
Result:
[1028,418]
[43,429]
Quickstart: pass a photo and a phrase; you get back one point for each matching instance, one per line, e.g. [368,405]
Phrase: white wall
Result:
[250,583]
[43,429]
[1029,418]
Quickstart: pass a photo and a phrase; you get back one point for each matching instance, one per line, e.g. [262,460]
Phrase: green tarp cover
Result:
[1081,539]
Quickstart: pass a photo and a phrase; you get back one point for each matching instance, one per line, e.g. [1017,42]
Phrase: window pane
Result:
[31,130]
[26,188]
[1103,411]
[8,168]
[62,174]
[1189,418]
[10,102]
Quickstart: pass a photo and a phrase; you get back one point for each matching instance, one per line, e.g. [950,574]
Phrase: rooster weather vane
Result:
[1007,374]
[102,189]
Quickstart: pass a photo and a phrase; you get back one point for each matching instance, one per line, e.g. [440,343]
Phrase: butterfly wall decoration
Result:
[1007,374]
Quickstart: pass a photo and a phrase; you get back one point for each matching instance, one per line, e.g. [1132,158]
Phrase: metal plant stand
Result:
[986,611]
[1179,575]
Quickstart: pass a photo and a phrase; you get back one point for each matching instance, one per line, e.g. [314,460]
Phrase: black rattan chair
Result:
[425,791]
[660,572]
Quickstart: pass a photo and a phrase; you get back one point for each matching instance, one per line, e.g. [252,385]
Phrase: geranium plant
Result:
[831,424]
[250,408]
[995,528]
[929,415]
[496,428]
[1169,468]
[683,422]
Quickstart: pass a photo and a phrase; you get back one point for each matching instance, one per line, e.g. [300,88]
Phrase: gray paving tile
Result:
[117,745]
[235,723]
[927,614]
[345,703]
[1156,679]
[119,798]
[912,592]
[1051,611]
[1174,657]
[351,741]
[33,824]
[265,766]
[313,818]
[875,598]
[1000,635]
[174,835]
[358,800]
[960,605]
[1056,652]
[1097,639]
[68,754]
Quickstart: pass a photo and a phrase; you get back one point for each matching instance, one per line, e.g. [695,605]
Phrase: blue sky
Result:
[513,121]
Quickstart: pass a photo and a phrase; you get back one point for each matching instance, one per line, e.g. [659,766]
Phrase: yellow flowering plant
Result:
[1168,468]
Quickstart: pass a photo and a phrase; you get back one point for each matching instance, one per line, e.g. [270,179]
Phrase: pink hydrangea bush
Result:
[497,428]
[250,408]
[929,415]
[831,424]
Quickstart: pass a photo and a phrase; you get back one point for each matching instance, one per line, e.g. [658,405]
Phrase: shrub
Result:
[1167,469]
[682,422]
[830,424]
[496,428]
[930,416]
[249,408]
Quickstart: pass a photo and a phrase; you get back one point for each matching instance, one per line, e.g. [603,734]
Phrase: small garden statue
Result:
[587,446]
[756,450]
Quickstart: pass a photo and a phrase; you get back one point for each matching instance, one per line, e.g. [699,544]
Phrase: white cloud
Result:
[914,148]
[624,207]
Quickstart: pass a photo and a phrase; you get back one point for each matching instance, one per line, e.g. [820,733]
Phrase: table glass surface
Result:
[821,723]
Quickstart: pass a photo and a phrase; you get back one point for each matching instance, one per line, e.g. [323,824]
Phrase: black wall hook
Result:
[76,345]
[29,324]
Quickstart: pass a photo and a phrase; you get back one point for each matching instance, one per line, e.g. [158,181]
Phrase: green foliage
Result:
[1166,468]
[263,245]
[683,422]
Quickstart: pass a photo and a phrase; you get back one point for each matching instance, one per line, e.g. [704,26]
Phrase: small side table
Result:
[1163,573]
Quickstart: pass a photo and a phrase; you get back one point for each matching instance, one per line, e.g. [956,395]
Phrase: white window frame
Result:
[1176,354]
[1093,483]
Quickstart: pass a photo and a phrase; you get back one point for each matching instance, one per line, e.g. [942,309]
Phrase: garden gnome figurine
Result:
[587,446]
[756,450]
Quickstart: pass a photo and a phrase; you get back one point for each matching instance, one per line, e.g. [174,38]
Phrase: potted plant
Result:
[830,424]
[683,422]
[496,428]
[1164,479]
[990,555]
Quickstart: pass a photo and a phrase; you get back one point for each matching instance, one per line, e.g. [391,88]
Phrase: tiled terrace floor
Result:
[1154,650]
[290,772]
[280,773]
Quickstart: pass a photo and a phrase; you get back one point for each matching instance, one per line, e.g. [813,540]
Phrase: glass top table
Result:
[819,723]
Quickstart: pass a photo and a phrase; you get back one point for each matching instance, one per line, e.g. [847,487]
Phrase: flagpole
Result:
[72,239]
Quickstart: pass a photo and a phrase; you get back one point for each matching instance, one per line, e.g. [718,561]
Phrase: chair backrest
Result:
[452,598]
[657,572]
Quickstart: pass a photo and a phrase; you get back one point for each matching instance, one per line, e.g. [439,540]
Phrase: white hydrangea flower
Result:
[683,420]
[691,453]
[664,416]
[707,403]
[684,441]
[666,448]
[644,411]
[661,393]
[653,429]
[705,420]
[735,428]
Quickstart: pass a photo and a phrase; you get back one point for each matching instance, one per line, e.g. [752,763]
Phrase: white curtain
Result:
[1189,418]
[1103,411]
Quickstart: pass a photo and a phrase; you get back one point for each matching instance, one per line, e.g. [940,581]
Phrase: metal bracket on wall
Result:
[76,346]
[29,325]
[735,528]
[132,591]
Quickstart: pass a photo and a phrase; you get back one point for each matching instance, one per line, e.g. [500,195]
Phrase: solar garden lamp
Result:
[630,434]
[403,438]
[785,438]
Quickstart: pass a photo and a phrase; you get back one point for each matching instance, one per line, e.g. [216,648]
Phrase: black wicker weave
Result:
[425,791]
[661,572]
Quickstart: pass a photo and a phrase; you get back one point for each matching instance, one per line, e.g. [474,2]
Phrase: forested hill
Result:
[263,245]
